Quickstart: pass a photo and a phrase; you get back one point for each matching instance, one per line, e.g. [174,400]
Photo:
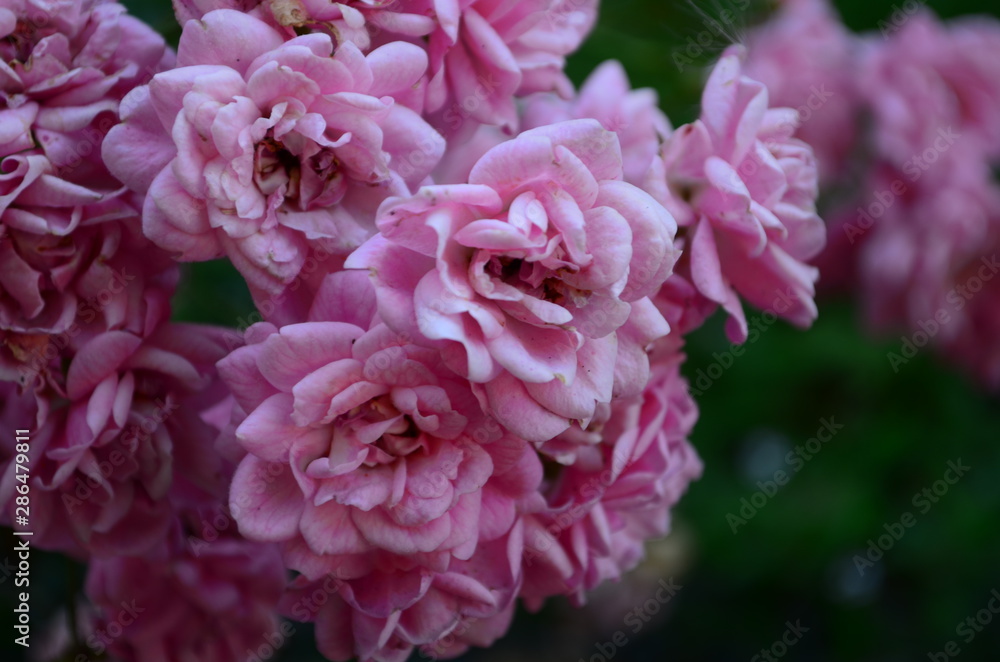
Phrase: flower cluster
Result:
[474,282]
[914,203]
[115,395]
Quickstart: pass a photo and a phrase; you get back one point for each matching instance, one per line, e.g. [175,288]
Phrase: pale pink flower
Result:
[745,191]
[376,469]
[257,148]
[214,603]
[359,440]
[523,276]
[483,53]
[631,466]
[808,61]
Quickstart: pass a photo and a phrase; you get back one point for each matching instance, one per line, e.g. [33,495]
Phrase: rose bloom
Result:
[387,449]
[744,189]
[67,64]
[258,148]
[532,278]
[928,265]
[74,261]
[376,469]
[401,604]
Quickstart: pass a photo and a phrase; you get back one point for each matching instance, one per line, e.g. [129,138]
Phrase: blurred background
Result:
[813,561]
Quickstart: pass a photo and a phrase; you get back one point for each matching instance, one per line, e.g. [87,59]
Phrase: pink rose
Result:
[376,469]
[258,148]
[745,190]
[399,605]
[523,276]
[369,436]
[72,261]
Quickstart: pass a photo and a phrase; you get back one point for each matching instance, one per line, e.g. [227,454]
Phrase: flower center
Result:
[19,43]
[307,180]
[536,280]
[399,439]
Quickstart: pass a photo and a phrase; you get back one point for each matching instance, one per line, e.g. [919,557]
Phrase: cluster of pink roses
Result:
[120,455]
[905,125]
[475,282]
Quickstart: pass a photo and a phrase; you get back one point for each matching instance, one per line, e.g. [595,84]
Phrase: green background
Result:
[793,560]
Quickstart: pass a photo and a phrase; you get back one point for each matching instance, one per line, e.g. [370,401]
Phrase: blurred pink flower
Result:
[256,148]
[126,436]
[928,265]
[928,77]
[745,191]
[807,59]
[523,276]
[214,603]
